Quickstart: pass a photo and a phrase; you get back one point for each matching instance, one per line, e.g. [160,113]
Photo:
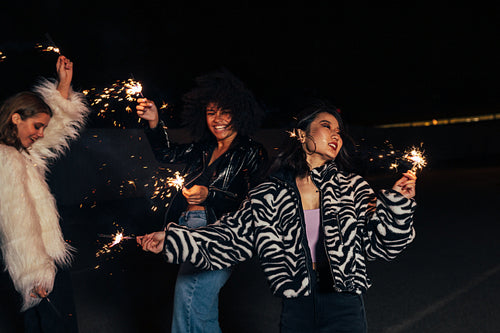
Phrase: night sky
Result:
[378,64]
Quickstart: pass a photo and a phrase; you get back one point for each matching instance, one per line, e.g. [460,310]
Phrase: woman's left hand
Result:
[39,291]
[406,185]
[65,73]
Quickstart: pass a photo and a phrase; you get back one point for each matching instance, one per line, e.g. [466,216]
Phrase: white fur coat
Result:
[30,236]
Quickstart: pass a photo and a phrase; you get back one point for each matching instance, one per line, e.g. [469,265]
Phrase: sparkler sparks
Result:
[162,187]
[177,181]
[133,88]
[117,239]
[121,90]
[416,158]
[292,133]
[48,48]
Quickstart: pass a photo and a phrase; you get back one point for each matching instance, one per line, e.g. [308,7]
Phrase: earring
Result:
[312,139]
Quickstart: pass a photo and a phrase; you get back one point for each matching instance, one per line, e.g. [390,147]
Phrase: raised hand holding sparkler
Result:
[65,73]
[406,185]
[147,110]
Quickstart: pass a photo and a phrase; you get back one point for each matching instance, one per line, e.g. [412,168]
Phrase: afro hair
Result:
[225,90]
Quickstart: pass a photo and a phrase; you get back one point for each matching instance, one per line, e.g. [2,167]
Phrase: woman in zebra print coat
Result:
[313,226]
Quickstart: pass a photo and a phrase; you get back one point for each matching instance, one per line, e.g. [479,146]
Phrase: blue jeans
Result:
[196,298]
[323,311]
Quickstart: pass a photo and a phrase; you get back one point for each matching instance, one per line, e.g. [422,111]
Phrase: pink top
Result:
[312,220]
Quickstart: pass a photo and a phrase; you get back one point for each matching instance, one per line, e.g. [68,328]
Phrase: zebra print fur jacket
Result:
[357,226]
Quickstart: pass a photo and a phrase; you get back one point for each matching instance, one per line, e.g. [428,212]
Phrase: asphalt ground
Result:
[447,280]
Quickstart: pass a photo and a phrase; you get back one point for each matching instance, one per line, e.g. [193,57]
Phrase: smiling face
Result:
[30,129]
[323,141]
[219,123]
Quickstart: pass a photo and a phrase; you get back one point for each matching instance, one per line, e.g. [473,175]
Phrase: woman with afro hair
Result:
[222,164]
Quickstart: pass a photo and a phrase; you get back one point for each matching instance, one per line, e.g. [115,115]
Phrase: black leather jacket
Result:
[242,167]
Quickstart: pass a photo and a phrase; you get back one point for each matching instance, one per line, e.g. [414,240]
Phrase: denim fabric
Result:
[196,298]
[323,312]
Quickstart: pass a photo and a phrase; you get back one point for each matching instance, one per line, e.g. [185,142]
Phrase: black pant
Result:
[323,311]
[56,314]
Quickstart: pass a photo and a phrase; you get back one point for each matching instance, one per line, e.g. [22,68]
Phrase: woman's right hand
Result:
[147,110]
[406,185]
[195,195]
[152,242]
[64,69]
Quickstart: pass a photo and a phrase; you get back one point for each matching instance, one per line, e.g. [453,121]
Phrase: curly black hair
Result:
[227,92]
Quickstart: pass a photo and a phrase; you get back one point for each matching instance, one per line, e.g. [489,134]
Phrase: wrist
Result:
[153,123]
[63,89]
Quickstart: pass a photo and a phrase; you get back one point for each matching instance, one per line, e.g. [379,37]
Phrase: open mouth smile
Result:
[333,145]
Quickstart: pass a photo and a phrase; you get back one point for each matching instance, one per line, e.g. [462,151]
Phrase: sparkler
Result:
[53,307]
[177,181]
[386,156]
[48,48]
[134,87]
[117,239]
[51,47]
[121,90]
[2,56]
[162,187]
[416,157]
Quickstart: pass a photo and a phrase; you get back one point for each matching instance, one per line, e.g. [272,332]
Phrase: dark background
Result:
[379,63]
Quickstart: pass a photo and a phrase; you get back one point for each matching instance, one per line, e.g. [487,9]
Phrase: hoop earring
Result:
[312,139]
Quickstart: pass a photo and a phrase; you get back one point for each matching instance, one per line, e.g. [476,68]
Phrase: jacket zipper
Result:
[338,226]
[303,227]
[323,228]
[204,161]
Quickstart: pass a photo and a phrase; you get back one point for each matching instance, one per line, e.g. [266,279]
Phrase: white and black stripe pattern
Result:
[357,227]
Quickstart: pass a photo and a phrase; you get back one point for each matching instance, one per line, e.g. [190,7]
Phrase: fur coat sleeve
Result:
[30,235]
[68,118]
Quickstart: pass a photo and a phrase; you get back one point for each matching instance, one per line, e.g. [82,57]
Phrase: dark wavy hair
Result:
[227,92]
[26,104]
[293,157]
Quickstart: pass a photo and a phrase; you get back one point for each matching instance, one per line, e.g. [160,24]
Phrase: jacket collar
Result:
[240,141]
[325,171]
[319,174]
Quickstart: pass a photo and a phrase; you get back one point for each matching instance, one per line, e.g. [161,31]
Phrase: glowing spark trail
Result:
[292,133]
[177,181]
[117,238]
[162,186]
[416,157]
[133,88]
[121,90]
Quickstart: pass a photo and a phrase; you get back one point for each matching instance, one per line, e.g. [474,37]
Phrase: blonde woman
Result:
[35,127]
